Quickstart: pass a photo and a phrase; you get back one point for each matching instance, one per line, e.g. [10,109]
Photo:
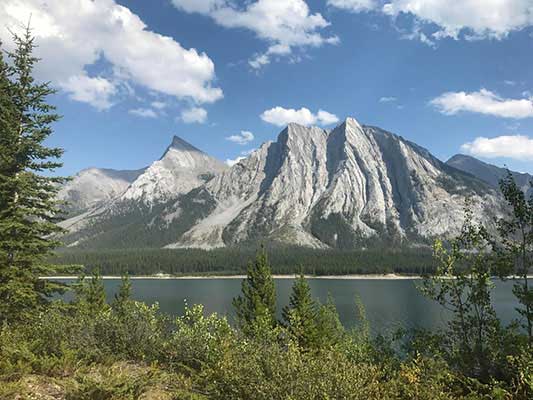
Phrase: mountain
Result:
[352,186]
[489,173]
[93,187]
[181,168]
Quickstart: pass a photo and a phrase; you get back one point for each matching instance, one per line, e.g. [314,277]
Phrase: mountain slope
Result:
[488,172]
[337,189]
[182,168]
[350,187]
[93,187]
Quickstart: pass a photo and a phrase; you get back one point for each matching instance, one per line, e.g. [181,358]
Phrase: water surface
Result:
[389,304]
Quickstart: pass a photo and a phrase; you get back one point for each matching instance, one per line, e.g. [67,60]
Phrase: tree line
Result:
[285,260]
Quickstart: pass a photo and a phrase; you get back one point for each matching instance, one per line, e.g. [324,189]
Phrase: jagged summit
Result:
[339,188]
[181,144]
[181,168]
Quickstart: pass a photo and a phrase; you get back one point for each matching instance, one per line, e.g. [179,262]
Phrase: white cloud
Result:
[95,91]
[479,18]
[280,116]
[244,155]
[143,112]
[353,5]
[389,99]
[243,138]
[326,118]
[194,115]
[73,35]
[516,146]
[471,19]
[232,162]
[159,105]
[285,25]
[483,102]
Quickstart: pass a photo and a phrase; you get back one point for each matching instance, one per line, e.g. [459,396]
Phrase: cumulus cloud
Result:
[143,112]
[514,146]
[280,116]
[483,102]
[243,138]
[354,5]
[389,99]
[471,19]
[284,25]
[194,115]
[242,156]
[74,35]
[232,162]
[160,105]
[96,91]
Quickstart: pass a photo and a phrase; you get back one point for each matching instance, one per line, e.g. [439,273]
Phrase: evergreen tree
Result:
[300,315]
[123,297]
[515,248]
[258,299]
[329,327]
[90,294]
[28,203]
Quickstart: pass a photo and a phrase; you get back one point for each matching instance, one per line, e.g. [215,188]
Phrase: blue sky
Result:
[132,73]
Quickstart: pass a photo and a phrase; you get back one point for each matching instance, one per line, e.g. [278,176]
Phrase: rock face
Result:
[336,189]
[93,187]
[353,186]
[181,168]
[489,173]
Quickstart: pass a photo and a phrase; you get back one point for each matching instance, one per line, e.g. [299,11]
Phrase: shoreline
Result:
[275,276]
[394,277]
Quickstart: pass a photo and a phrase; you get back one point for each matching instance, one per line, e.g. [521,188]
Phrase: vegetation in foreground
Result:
[98,348]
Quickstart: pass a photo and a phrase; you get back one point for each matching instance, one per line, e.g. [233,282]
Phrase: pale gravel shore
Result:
[291,276]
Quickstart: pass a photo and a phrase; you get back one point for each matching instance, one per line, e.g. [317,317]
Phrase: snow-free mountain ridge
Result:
[490,173]
[93,187]
[351,186]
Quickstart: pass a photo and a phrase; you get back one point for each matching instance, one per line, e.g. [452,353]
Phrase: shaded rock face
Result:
[352,186]
[489,173]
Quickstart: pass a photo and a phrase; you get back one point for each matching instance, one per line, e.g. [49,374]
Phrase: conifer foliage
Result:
[28,203]
[301,314]
[258,301]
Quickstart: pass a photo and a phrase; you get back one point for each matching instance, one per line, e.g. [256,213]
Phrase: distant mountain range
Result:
[489,173]
[93,187]
[352,186]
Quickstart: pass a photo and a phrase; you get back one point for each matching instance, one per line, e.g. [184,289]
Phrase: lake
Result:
[389,304]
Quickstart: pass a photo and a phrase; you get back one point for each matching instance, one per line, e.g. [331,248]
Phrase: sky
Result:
[228,75]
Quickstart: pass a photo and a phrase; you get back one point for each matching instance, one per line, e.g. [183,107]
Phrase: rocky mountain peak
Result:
[181,168]
[342,188]
[180,144]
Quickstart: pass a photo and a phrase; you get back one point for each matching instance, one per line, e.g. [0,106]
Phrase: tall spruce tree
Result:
[301,314]
[258,299]
[28,203]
